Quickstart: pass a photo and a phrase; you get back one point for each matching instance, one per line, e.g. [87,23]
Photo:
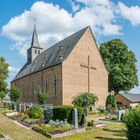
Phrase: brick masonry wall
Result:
[75,77]
[25,85]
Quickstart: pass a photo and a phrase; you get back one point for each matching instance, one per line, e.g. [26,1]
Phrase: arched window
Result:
[32,87]
[46,86]
[35,51]
[55,86]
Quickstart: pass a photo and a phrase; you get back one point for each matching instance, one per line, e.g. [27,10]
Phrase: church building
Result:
[64,70]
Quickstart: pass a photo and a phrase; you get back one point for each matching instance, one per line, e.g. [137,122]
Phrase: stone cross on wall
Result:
[89,67]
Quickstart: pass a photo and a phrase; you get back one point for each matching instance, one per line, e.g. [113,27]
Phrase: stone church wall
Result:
[28,94]
[75,77]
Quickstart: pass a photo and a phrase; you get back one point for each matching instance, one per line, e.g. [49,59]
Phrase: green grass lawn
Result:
[113,131]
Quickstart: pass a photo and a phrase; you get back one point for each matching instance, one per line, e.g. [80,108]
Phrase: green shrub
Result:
[111,100]
[65,112]
[90,123]
[132,121]
[34,112]
[85,99]
[31,121]
[102,111]
[41,97]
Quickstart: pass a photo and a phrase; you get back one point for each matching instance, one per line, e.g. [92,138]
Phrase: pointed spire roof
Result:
[35,42]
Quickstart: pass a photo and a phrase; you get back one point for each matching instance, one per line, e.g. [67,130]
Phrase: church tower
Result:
[34,49]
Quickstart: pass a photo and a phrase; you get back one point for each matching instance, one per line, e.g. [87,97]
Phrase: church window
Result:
[55,86]
[35,51]
[46,86]
[38,51]
[32,87]
[39,85]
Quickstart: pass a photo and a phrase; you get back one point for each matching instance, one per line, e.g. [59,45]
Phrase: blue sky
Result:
[56,19]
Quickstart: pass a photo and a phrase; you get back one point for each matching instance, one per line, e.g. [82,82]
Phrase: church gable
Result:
[84,70]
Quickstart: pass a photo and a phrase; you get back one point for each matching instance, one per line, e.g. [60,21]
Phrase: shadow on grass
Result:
[105,138]
[115,131]
[119,133]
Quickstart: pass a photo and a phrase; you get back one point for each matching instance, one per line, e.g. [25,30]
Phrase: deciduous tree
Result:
[120,64]
[3,74]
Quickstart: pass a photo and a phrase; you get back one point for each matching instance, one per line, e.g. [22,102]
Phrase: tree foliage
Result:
[3,74]
[14,94]
[111,100]
[85,99]
[2,95]
[41,97]
[120,64]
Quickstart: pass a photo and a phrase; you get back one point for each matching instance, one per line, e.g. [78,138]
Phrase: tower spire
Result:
[35,42]
[34,49]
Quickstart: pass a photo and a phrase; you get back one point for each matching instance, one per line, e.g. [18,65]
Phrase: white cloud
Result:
[55,23]
[130,13]
[13,70]
[75,7]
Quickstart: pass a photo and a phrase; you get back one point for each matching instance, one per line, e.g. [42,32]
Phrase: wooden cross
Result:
[88,67]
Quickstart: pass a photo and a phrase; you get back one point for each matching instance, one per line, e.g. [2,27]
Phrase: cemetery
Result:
[71,87]
[60,121]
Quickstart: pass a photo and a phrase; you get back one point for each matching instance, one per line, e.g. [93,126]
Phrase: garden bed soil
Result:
[59,134]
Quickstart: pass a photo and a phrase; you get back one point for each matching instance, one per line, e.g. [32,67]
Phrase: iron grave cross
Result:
[88,67]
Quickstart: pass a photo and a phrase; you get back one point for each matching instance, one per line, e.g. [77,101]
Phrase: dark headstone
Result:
[48,112]
[83,120]
[85,111]
[12,106]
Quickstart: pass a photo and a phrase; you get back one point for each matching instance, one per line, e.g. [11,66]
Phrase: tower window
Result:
[38,51]
[35,51]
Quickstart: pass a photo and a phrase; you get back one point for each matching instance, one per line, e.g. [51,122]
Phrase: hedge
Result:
[132,121]
[65,112]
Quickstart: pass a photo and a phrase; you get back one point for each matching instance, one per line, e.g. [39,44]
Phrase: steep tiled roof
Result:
[134,98]
[52,56]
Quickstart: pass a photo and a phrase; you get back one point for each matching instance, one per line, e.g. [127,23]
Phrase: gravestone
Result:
[75,118]
[120,113]
[19,107]
[12,106]
[85,110]
[83,120]
[91,108]
[48,112]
